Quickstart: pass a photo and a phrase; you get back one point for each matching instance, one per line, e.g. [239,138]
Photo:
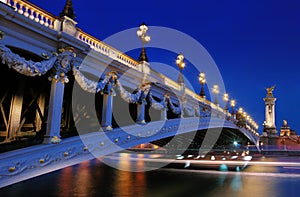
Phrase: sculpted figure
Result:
[270,90]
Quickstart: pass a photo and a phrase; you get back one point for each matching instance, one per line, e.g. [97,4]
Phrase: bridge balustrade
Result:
[33,12]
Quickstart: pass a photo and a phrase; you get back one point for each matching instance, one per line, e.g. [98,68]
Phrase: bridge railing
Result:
[107,50]
[33,12]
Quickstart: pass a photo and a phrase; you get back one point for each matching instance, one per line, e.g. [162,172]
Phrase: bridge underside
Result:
[225,141]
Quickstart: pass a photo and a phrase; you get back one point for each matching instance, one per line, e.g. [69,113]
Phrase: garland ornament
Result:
[23,66]
[105,85]
[174,109]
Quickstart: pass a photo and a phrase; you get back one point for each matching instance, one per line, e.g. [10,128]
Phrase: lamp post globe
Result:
[180,63]
[142,35]
[202,81]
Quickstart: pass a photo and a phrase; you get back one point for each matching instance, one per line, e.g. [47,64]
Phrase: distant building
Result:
[286,130]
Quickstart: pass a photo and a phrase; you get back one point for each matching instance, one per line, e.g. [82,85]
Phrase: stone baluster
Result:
[26,14]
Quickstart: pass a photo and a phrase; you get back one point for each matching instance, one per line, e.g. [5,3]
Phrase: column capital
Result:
[64,63]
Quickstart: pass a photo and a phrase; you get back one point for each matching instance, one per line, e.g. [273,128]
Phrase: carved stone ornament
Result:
[139,95]
[64,63]
[23,66]
[105,85]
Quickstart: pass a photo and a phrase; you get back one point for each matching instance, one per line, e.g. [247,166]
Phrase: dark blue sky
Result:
[255,43]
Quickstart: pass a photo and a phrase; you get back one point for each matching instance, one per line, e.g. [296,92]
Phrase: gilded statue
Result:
[270,90]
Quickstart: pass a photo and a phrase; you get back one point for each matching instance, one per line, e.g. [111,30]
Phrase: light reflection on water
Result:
[93,178]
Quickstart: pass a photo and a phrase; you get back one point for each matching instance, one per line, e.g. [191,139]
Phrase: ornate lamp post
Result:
[239,114]
[180,63]
[232,104]
[244,119]
[142,34]
[202,81]
[226,99]
[216,92]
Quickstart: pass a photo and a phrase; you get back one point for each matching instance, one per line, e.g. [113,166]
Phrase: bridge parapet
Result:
[33,12]
[107,50]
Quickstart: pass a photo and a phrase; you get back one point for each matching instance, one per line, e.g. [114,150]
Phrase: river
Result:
[94,178]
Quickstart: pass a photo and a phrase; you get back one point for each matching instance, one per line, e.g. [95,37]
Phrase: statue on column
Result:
[270,91]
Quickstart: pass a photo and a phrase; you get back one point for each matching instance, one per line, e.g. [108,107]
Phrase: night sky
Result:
[255,43]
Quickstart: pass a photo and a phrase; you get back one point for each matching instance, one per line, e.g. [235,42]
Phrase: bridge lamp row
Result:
[247,117]
[216,91]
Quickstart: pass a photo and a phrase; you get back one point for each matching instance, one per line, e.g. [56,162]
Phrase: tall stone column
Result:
[107,107]
[140,119]
[269,123]
[55,110]
[63,64]
[163,114]
[270,133]
[145,88]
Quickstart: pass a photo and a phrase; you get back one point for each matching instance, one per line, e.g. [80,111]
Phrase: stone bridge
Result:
[58,81]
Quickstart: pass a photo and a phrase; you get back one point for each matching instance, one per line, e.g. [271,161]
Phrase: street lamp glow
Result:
[180,63]
[248,117]
[202,81]
[241,110]
[142,34]
[225,97]
[232,103]
[216,91]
